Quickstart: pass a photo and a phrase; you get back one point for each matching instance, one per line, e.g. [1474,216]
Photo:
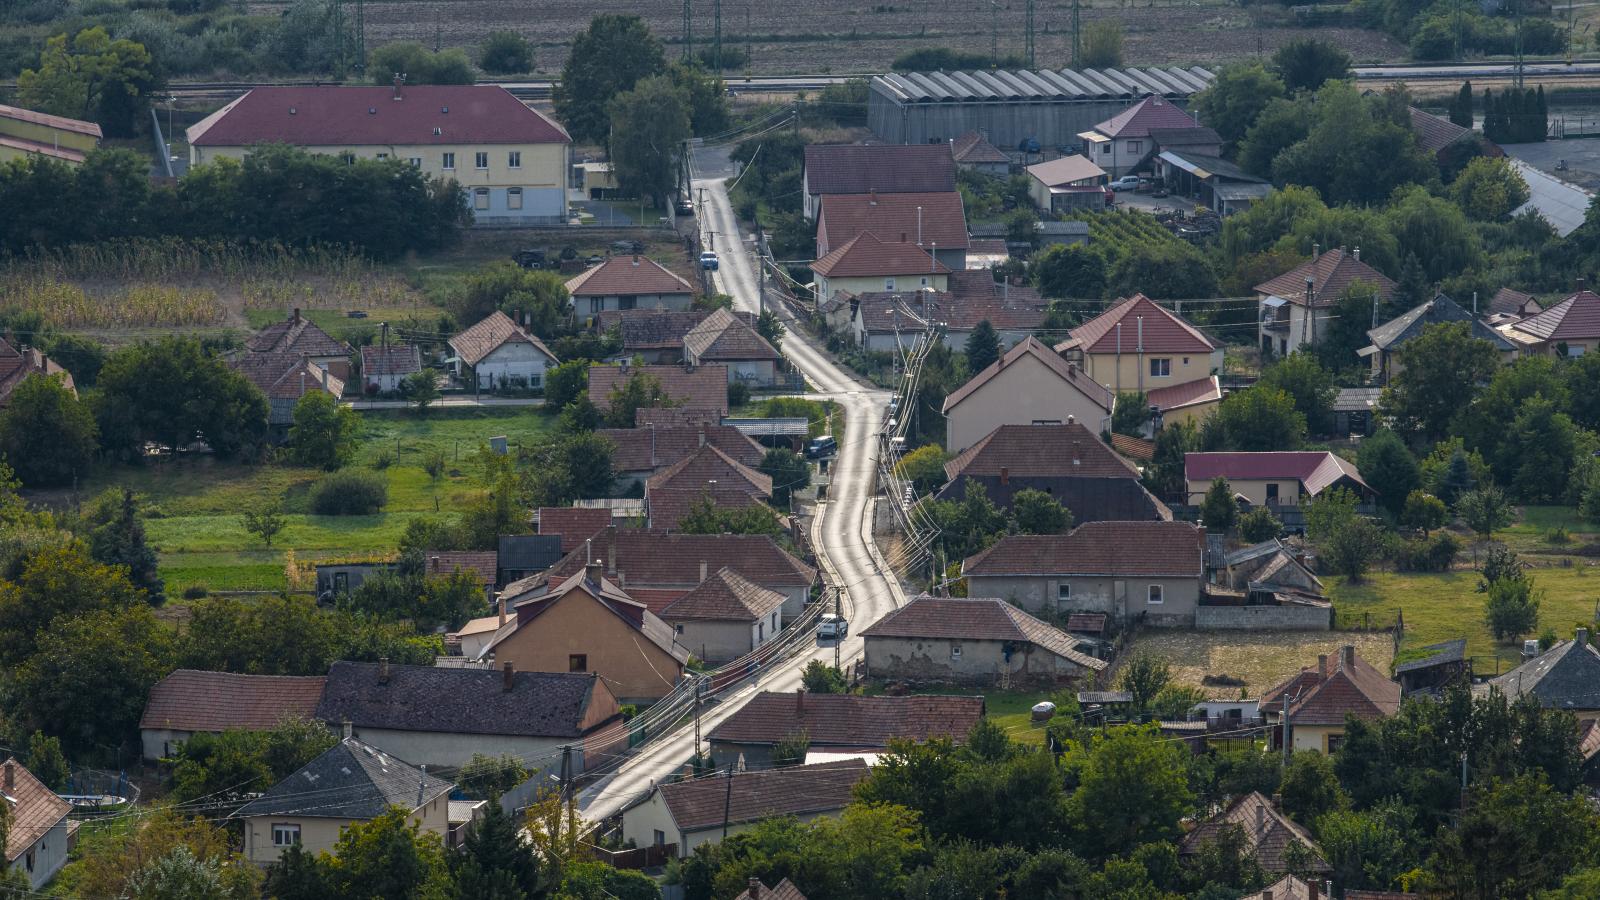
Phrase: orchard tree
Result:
[1258,418]
[1132,788]
[612,55]
[173,392]
[46,433]
[1143,677]
[264,521]
[1424,512]
[1310,386]
[566,383]
[1485,510]
[924,468]
[1259,525]
[1489,189]
[1069,270]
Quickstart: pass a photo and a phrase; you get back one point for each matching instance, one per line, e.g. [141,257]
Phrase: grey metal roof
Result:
[1105,697]
[1043,84]
[1447,652]
[1356,399]
[1441,308]
[1567,676]
[351,781]
[526,552]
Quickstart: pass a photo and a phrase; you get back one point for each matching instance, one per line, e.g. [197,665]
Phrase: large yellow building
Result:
[512,161]
[24,132]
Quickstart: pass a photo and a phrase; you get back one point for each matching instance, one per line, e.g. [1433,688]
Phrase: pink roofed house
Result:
[1123,142]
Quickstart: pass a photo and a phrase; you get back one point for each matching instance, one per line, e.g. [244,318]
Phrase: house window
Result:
[761,631]
[1155,596]
[383,156]
[480,160]
[955,651]
[480,198]
[416,162]
[348,158]
[1160,368]
[679,627]
[1105,148]
[514,198]
[1334,740]
[1063,592]
[449,162]
[1186,360]
[578,662]
[1136,146]
[660,838]
[514,159]
[284,835]
[597,304]
[888,284]
[1575,349]
[1272,493]
[627,302]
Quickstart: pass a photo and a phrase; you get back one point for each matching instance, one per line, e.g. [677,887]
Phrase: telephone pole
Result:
[1028,34]
[361,36]
[716,36]
[688,30]
[1076,29]
[994,34]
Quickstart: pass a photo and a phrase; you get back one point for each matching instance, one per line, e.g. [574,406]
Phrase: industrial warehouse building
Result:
[1015,107]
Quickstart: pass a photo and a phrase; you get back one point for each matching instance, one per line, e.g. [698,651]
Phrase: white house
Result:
[36,844]
[384,369]
[501,354]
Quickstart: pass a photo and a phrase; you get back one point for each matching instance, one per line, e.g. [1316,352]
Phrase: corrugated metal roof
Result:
[1042,84]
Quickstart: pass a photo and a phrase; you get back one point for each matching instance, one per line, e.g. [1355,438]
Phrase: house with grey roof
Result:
[725,617]
[1567,676]
[353,782]
[978,641]
[441,717]
[1387,339]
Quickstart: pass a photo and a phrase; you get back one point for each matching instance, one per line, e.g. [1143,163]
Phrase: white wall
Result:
[48,854]
[439,749]
[513,360]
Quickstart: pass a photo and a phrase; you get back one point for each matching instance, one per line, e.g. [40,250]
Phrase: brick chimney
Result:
[347,729]
[611,549]
[1347,655]
[1357,254]
[383,670]
[702,572]
[296,317]
[1261,819]
[592,571]
[800,702]
[1005,475]
[1581,637]
[702,434]
[503,600]
[1322,665]
[510,681]
[399,83]
[755,889]
[1077,453]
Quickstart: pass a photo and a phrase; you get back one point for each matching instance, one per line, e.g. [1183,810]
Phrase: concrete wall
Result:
[159,743]
[319,834]
[1023,392]
[975,662]
[719,641]
[1309,618]
[1252,489]
[1054,123]
[635,668]
[511,362]
[593,305]
[44,859]
[1132,371]
[1120,598]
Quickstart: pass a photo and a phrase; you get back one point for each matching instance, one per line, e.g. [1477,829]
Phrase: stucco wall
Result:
[512,360]
[320,834]
[588,305]
[161,742]
[1125,375]
[1119,598]
[1307,618]
[1023,392]
[1254,490]
[49,854]
[906,282]
[978,662]
[719,642]
[635,668]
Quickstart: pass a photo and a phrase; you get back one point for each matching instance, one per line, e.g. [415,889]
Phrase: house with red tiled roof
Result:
[934,221]
[874,168]
[1273,479]
[499,354]
[384,369]
[1319,700]
[978,641]
[25,133]
[724,338]
[885,320]
[510,160]
[1150,570]
[974,153]
[656,335]
[299,336]
[628,282]
[1267,831]
[1028,383]
[784,890]
[16,365]
[1513,304]
[701,388]
[1568,328]
[1123,142]
[1140,345]
[1068,462]
[1287,300]
[838,722]
[39,834]
[867,263]
[725,616]
[685,814]
[707,474]
[573,524]
[190,701]
[284,378]
[638,453]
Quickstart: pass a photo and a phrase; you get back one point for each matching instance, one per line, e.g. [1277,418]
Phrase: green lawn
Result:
[195,504]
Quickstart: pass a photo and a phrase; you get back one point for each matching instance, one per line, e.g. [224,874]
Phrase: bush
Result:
[195,592]
[505,52]
[738,394]
[350,493]
[1435,554]
[1259,525]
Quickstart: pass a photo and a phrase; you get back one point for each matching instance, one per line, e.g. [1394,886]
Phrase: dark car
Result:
[684,208]
[529,259]
[822,447]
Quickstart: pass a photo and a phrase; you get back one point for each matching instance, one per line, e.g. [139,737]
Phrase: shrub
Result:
[350,493]
[195,592]
[505,52]
[738,394]
[1259,525]
[1435,554]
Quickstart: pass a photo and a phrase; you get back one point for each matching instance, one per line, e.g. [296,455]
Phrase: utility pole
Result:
[727,802]
[716,37]
[994,34]
[1028,34]
[1517,5]
[697,686]
[837,602]
[1287,745]
[1077,23]
[688,30]
[566,774]
[361,36]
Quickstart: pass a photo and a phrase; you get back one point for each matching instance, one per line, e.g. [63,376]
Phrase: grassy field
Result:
[195,505]
[1260,658]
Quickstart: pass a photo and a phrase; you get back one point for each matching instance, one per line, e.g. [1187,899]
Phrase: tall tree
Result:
[1310,385]
[613,54]
[172,392]
[324,434]
[118,539]
[46,433]
[93,77]
[1389,468]
[1036,512]
[649,125]
[1461,108]
[983,347]
[1235,98]
[1132,788]
[1255,419]
[1306,64]
[1218,511]
[789,472]
[389,857]
[495,863]
[1442,370]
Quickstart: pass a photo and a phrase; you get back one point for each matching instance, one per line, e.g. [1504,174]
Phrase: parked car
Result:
[822,447]
[1125,183]
[708,260]
[529,259]
[684,208]
[832,626]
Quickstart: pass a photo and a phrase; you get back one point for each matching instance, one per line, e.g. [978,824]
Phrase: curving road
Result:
[843,537]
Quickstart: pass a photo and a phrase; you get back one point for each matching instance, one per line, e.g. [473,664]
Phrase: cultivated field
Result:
[1261,659]
[843,37]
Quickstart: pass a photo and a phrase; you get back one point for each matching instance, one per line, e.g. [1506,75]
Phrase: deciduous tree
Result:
[608,58]
[46,433]
[649,127]
[324,433]
[1036,512]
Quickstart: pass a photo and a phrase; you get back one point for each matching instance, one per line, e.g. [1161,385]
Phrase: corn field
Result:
[338,292]
[154,259]
[70,306]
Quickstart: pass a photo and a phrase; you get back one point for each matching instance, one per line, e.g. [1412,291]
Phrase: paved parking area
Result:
[1149,204]
[1582,156]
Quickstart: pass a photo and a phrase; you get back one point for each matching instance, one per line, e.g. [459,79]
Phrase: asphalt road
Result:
[843,537]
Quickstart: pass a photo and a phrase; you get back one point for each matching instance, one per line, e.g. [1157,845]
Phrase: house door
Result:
[1119,599]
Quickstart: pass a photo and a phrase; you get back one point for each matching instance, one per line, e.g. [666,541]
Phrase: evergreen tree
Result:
[118,540]
[1413,290]
[1218,512]
[495,863]
[983,347]
[1461,108]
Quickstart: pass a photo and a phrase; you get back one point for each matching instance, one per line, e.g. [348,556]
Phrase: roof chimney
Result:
[1005,475]
[702,434]
[592,570]
[872,200]
[1316,251]
[1357,254]
[702,572]
[348,729]
[1315,887]
[1261,819]
[1077,453]
[502,604]
[1322,665]
[399,82]
[296,317]
[1347,655]
[383,670]
[1072,420]
[903,237]
[611,548]
[510,670]
[636,260]
[755,889]
[1581,637]
[800,702]
[1580,283]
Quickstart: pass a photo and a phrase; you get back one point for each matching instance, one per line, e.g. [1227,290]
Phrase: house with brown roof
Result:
[725,617]
[1028,384]
[935,222]
[1568,328]
[16,365]
[1268,834]
[785,890]
[1067,183]
[511,161]
[892,320]
[586,623]
[1286,301]
[573,524]
[868,263]
[874,168]
[1123,142]
[25,133]
[1445,139]
[482,566]
[497,353]
[699,388]
[973,152]
[979,641]
[724,338]
[1274,478]
[384,369]
[1147,570]
[1387,339]
[1140,345]
[36,842]
[628,282]
[656,335]
[441,717]
[686,814]
[638,453]
[1068,462]
[284,378]
[190,701]
[705,474]
[1513,304]
[838,722]
[1319,700]
[298,336]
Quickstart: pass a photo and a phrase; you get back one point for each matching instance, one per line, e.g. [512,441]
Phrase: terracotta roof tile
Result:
[1575,318]
[297,335]
[489,335]
[401,359]
[1196,136]
[979,619]
[1316,469]
[1190,393]
[606,594]
[973,148]
[1435,133]
[674,417]
[691,387]
[746,797]
[1516,303]
[286,376]
[1030,346]
[1164,331]
[481,564]
[16,365]
[784,891]
[193,700]
[849,720]
[1040,450]
[725,596]
[670,505]
[35,809]
[646,449]
[723,337]
[1133,448]
[1330,274]
[573,523]
[327,115]
[866,256]
[1268,833]
[885,168]
[1153,549]
[1349,686]
[656,329]
[1138,119]
[708,465]
[892,218]
[624,276]
[657,559]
